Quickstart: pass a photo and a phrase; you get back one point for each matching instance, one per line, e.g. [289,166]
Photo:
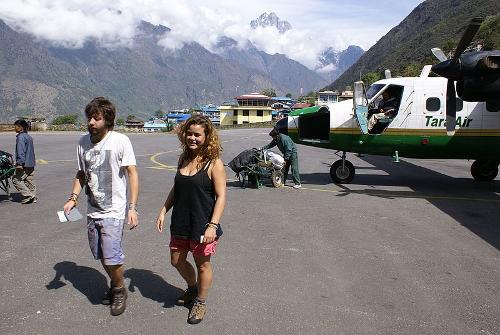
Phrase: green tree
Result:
[66,119]
[120,121]
[370,77]
[411,70]
[130,117]
[270,92]
[288,95]
[159,114]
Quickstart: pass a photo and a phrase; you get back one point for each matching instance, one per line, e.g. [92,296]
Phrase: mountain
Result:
[433,23]
[270,20]
[291,75]
[333,63]
[41,80]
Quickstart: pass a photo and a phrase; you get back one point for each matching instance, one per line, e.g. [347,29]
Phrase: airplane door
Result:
[360,106]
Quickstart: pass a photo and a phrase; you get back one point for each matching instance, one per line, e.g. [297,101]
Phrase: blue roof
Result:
[209,108]
[281,98]
[154,125]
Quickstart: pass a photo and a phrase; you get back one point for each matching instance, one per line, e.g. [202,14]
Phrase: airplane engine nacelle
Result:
[481,88]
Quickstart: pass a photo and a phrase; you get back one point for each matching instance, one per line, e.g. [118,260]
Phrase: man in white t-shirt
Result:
[105,160]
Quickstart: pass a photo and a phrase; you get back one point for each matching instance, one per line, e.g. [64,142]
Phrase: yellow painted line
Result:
[41,161]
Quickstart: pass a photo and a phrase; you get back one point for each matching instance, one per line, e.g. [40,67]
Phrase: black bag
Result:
[244,159]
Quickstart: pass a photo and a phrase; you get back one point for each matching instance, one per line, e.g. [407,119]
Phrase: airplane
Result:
[431,120]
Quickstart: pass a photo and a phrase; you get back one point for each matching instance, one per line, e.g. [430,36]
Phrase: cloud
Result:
[316,23]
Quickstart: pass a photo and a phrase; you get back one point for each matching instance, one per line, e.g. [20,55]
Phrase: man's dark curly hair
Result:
[103,106]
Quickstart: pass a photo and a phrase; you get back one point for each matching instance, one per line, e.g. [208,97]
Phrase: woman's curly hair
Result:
[211,149]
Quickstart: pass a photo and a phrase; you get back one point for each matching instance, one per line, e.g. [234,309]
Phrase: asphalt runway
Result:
[407,248]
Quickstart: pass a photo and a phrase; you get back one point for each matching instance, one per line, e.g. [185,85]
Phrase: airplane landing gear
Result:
[342,171]
[484,170]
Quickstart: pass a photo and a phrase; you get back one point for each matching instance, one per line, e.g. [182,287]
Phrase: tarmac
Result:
[406,248]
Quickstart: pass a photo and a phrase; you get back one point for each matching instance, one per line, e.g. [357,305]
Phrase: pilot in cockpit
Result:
[387,109]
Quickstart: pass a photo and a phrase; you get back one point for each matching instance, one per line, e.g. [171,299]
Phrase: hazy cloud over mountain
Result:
[70,23]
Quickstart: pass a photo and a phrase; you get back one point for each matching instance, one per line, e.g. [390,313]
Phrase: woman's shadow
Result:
[153,286]
[90,282]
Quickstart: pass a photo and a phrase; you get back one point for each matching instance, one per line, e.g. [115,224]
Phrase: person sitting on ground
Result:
[387,109]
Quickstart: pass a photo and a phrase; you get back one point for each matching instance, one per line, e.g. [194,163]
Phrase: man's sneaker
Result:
[108,298]
[119,300]
[296,186]
[28,200]
[187,297]
[197,312]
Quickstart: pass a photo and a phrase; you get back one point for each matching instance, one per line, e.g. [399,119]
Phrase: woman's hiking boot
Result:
[188,296]
[197,312]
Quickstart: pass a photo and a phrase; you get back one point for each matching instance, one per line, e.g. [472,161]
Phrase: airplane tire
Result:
[277,178]
[484,170]
[342,176]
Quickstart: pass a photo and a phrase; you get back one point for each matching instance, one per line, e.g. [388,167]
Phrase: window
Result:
[460,104]
[260,113]
[433,104]
[245,122]
[235,122]
[492,106]
[245,112]
[235,112]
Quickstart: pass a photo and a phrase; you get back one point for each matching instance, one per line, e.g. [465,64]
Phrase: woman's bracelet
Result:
[211,224]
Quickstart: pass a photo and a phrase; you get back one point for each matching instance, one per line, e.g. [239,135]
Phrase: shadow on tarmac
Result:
[472,204]
[153,286]
[90,282]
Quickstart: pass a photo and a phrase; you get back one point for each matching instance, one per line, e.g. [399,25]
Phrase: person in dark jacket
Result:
[25,163]
[289,151]
[197,200]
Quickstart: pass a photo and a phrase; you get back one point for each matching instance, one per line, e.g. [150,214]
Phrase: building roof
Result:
[299,105]
[281,98]
[254,95]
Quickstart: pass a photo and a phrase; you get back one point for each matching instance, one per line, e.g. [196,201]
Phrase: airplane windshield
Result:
[373,90]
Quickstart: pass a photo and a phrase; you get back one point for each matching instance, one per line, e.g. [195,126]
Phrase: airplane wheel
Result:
[484,170]
[277,178]
[341,175]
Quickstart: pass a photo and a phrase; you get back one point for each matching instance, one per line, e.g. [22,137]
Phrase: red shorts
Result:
[198,249]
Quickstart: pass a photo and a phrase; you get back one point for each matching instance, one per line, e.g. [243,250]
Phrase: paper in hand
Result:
[73,215]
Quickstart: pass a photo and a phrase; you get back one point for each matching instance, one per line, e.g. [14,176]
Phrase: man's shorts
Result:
[198,249]
[105,239]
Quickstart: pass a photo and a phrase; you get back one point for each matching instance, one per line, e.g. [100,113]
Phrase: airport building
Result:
[250,108]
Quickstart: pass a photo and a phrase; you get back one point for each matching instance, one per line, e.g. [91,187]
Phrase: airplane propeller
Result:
[451,69]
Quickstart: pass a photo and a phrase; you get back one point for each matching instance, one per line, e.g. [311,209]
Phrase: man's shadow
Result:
[90,282]
[153,286]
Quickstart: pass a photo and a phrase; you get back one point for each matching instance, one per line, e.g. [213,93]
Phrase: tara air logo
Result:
[431,121]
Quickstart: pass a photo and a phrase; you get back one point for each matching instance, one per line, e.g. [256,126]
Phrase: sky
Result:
[316,24]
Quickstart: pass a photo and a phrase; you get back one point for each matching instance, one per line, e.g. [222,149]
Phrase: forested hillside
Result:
[434,23]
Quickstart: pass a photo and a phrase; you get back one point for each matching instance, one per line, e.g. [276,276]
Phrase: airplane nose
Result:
[448,69]
[282,125]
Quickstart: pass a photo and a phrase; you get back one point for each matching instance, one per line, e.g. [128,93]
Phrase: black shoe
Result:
[197,312]
[119,301]
[108,298]
[28,200]
[187,297]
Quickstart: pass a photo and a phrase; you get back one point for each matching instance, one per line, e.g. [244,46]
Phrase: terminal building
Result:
[250,108]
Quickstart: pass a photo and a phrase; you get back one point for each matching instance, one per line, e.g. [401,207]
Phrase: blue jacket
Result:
[25,151]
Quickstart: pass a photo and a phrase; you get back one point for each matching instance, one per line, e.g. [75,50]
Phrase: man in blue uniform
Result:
[289,151]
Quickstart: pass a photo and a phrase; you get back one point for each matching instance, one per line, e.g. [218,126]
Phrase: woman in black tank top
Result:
[198,198]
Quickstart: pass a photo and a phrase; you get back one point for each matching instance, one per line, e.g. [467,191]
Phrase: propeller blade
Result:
[451,108]
[467,37]
[439,54]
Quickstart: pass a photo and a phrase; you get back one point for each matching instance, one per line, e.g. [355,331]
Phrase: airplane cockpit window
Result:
[384,108]
[433,104]
[373,90]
